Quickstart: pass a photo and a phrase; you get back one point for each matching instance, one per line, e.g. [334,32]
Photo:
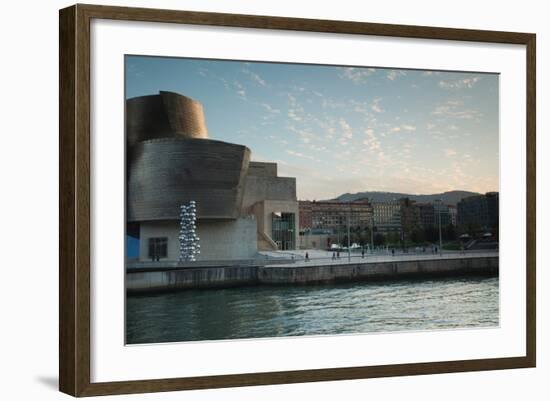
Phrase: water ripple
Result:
[254,312]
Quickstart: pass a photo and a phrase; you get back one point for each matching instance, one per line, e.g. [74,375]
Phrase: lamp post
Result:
[372,234]
[349,242]
[439,202]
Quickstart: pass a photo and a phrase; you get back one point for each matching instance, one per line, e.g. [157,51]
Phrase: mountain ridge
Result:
[448,197]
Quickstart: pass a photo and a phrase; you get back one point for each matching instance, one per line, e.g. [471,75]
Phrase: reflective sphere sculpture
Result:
[189,241]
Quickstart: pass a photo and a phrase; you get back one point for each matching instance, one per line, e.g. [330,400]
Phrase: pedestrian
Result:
[333,255]
[338,254]
[363,253]
[392,252]
[307,257]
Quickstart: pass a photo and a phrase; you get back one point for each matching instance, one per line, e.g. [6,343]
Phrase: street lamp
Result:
[372,233]
[349,239]
[439,201]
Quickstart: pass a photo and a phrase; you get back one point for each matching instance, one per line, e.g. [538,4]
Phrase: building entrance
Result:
[283,229]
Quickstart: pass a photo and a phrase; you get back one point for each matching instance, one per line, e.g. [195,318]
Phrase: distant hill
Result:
[449,198]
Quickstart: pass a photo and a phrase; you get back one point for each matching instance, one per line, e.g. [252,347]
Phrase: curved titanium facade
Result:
[162,116]
[164,173]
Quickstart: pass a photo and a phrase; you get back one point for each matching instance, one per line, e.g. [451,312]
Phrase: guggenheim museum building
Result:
[242,206]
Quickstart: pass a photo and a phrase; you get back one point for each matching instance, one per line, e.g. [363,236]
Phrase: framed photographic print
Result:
[250,200]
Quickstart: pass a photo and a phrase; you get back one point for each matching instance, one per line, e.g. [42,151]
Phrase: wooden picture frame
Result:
[74,204]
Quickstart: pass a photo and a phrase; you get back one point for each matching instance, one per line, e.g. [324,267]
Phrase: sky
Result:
[341,129]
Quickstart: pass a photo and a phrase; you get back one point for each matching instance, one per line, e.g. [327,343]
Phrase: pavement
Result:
[322,258]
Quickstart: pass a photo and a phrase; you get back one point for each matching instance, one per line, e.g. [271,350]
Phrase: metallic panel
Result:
[186,115]
[164,173]
[162,116]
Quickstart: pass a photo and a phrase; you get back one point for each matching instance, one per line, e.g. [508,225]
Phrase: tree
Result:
[364,237]
[430,234]
[379,240]
[392,238]
[449,233]
[417,236]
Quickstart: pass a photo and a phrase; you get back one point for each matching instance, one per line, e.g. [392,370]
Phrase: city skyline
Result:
[343,129]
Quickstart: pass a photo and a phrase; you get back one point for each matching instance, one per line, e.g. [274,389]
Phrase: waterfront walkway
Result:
[318,269]
[324,258]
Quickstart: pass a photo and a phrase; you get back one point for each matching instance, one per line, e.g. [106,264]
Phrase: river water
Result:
[263,311]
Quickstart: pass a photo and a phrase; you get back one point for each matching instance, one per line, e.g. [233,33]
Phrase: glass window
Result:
[158,248]
[282,230]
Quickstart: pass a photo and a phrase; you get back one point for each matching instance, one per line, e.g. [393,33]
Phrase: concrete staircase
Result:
[265,243]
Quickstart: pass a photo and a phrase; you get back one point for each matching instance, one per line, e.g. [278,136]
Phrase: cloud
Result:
[375,106]
[328,103]
[270,109]
[292,115]
[359,106]
[371,140]
[293,153]
[304,135]
[255,77]
[455,102]
[403,127]
[459,84]
[225,83]
[450,153]
[295,110]
[328,126]
[347,133]
[134,70]
[301,155]
[454,109]
[356,75]
[430,73]
[317,148]
[298,88]
[278,140]
[393,74]
[239,90]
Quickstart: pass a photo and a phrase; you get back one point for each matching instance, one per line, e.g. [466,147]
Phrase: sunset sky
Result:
[341,129]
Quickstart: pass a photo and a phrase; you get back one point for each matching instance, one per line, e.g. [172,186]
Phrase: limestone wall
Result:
[259,188]
[219,239]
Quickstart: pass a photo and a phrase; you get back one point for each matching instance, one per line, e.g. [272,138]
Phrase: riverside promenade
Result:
[319,257]
[292,268]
